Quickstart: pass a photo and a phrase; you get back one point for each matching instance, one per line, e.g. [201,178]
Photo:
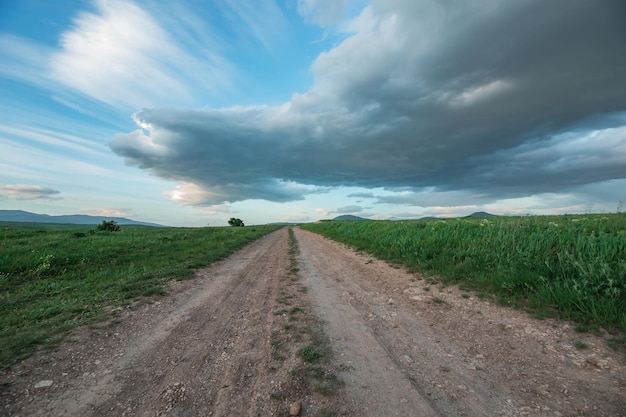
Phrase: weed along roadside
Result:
[301,349]
[54,280]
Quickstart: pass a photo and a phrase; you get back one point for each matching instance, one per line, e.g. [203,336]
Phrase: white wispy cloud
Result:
[28,192]
[24,59]
[108,212]
[55,138]
[122,56]
[126,55]
[324,12]
[322,211]
[31,162]
[261,20]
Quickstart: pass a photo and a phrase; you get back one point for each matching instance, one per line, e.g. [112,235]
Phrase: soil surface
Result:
[230,343]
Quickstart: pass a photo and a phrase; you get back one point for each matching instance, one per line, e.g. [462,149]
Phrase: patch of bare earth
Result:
[227,344]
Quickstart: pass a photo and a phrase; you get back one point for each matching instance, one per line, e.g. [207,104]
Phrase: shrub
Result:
[235,222]
[110,226]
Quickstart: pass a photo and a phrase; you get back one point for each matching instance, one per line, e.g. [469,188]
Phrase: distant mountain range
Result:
[28,217]
[476,214]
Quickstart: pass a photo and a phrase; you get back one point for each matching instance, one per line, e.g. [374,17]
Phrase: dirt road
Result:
[229,343]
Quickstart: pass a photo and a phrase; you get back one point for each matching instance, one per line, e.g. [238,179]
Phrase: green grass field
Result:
[54,278]
[571,266]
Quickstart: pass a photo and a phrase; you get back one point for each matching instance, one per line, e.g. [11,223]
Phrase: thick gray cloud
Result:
[496,98]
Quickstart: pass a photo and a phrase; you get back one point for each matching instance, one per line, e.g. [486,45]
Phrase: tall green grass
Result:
[54,280]
[571,266]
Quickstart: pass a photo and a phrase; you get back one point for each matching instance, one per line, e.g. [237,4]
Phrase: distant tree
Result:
[111,226]
[235,222]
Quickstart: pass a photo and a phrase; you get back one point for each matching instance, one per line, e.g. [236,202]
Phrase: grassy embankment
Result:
[572,266]
[56,279]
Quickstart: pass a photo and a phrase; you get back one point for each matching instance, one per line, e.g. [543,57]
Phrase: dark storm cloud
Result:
[499,99]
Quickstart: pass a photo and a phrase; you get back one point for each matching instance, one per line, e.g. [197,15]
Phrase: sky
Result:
[188,113]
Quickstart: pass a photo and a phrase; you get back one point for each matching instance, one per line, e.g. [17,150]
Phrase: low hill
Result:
[28,217]
[482,214]
[349,217]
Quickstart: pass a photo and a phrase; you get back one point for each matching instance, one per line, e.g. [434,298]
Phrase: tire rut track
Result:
[252,345]
[408,343]
[378,386]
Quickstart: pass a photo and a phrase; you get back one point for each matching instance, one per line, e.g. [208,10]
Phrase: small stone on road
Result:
[295,408]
